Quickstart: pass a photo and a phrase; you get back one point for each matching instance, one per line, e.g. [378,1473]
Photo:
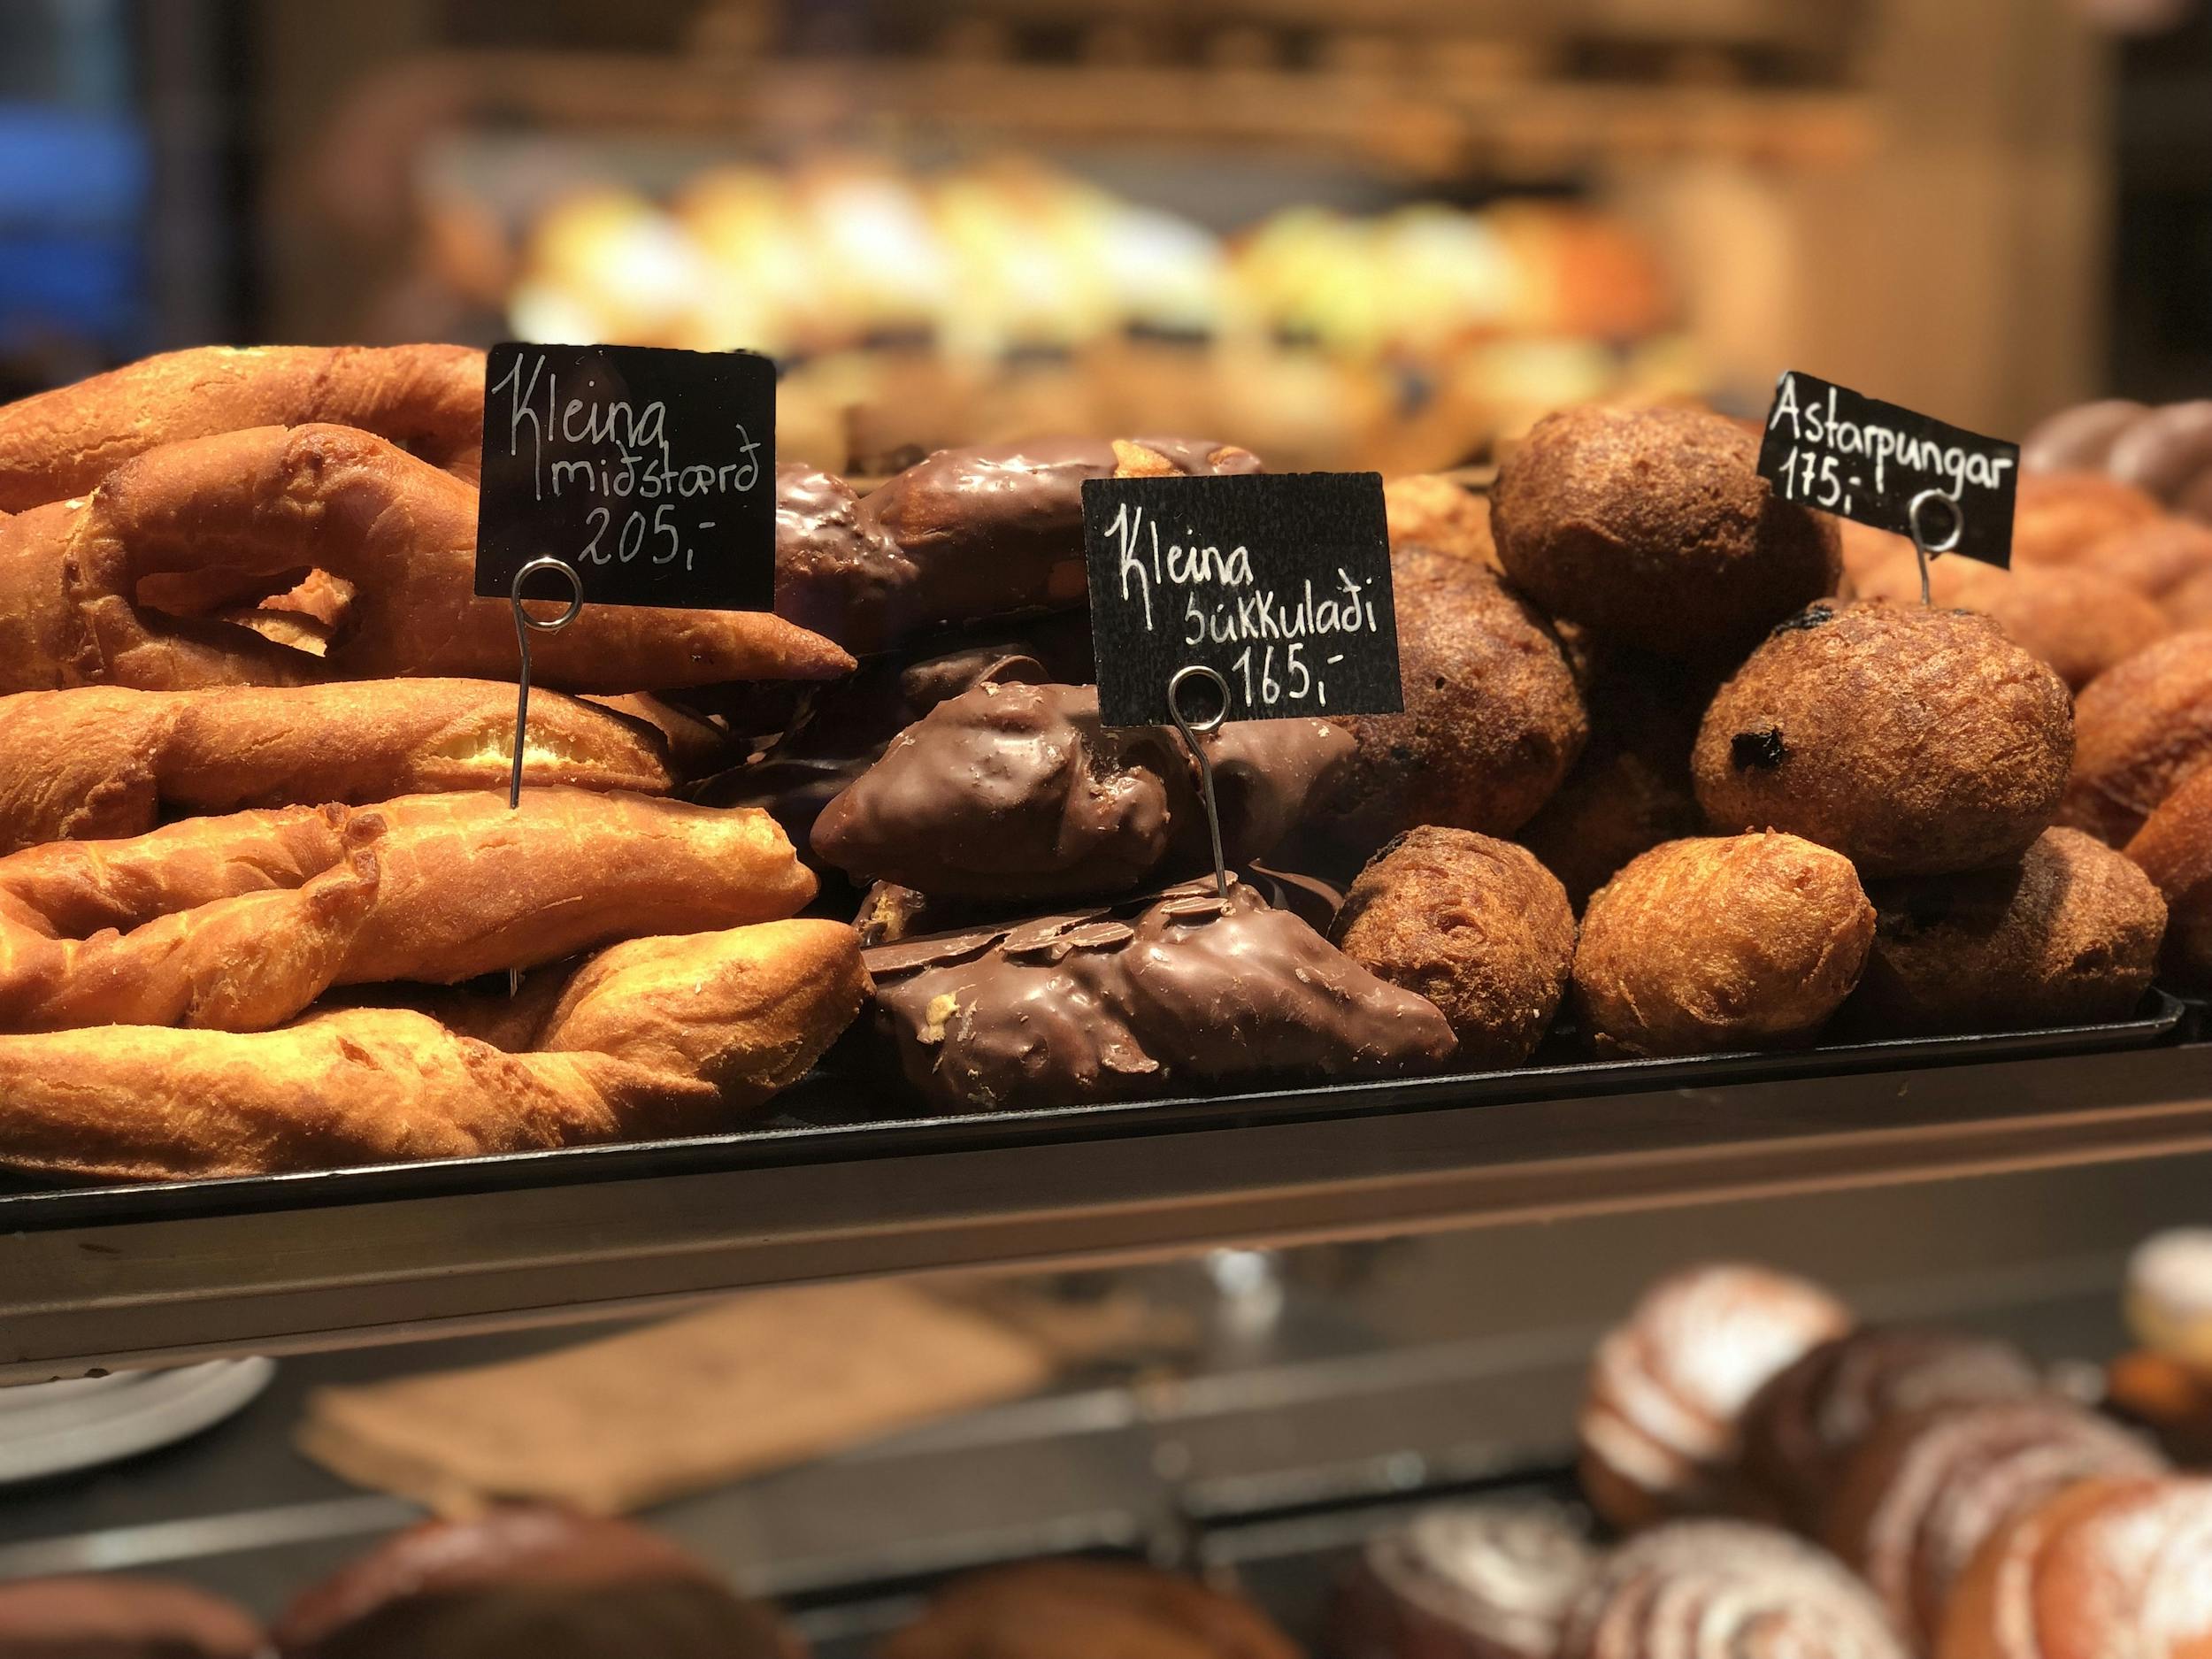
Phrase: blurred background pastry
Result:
[1475,1580]
[528,1580]
[1661,1426]
[1087,1609]
[1711,1587]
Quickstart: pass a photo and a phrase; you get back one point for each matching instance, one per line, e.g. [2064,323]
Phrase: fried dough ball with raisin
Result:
[1913,742]
[2068,936]
[1718,944]
[1653,527]
[1492,716]
[1475,925]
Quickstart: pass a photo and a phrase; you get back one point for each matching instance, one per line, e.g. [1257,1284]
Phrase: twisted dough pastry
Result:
[279,502]
[2105,1568]
[96,763]
[238,923]
[653,1038]
[1725,1590]
[427,399]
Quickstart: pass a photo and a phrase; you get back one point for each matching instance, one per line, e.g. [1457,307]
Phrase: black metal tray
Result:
[828,1118]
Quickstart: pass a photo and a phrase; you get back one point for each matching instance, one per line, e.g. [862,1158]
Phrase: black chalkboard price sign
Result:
[1280,582]
[650,472]
[1825,446]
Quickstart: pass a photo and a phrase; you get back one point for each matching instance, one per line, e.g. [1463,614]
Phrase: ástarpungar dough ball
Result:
[2154,557]
[1913,742]
[1476,925]
[2076,618]
[1425,509]
[2175,849]
[1865,548]
[2067,936]
[2140,729]
[2189,605]
[1712,944]
[1492,716]
[1631,790]
[2058,517]
[1653,527]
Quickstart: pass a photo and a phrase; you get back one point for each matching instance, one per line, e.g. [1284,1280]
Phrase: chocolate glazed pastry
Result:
[1012,792]
[829,735]
[1143,999]
[889,914]
[964,535]
[1660,1419]
[533,1582]
[1721,1589]
[103,1617]
[1464,1581]
[1926,1489]
[2107,1567]
[1087,1609]
[1801,1428]
[838,573]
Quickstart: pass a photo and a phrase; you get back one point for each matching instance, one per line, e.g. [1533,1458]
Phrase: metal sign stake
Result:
[1191,731]
[1922,548]
[527,624]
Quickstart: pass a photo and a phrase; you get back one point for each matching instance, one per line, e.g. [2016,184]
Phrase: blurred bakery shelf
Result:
[318,1261]
[1423,117]
[1291,1426]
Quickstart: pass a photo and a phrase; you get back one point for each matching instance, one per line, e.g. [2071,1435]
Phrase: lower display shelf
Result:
[129,1277]
[1282,1418]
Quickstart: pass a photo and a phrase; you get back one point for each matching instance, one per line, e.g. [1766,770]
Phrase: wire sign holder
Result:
[1192,731]
[1924,548]
[525,625]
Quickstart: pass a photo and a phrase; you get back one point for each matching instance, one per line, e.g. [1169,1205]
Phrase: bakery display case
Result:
[1674,1117]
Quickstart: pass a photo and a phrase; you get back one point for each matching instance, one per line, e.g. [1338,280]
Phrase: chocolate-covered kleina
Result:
[964,535]
[1148,998]
[1013,792]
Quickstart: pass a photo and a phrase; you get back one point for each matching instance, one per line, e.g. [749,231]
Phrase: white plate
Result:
[51,1428]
